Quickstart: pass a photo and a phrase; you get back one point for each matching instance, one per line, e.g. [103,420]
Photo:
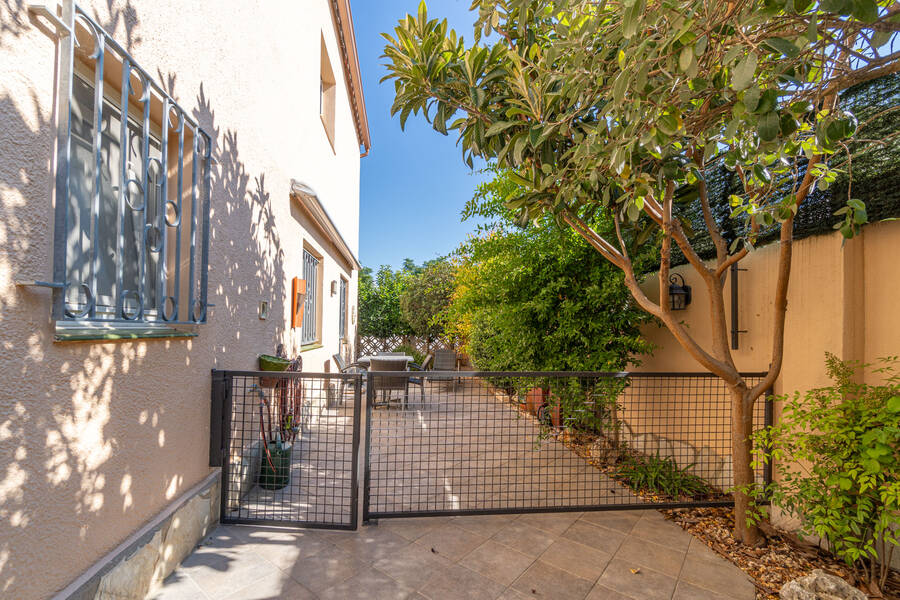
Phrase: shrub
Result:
[660,476]
[837,455]
[418,357]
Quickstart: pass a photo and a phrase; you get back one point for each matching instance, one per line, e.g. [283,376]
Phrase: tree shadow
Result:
[100,437]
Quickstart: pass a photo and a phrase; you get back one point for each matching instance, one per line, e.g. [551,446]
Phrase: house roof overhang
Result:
[309,201]
[343,27]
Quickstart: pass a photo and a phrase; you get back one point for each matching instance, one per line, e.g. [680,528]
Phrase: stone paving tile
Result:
[543,580]
[372,543]
[273,586]
[413,529]
[689,591]
[450,541]
[178,586]
[721,577]
[367,585]
[326,569]
[578,559]
[673,536]
[645,584]
[649,554]
[220,575]
[412,566]
[484,525]
[598,538]
[496,561]
[600,592]
[554,523]
[528,540]
[612,519]
[460,583]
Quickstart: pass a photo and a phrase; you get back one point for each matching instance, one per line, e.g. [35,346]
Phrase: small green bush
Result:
[418,357]
[836,451]
[660,476]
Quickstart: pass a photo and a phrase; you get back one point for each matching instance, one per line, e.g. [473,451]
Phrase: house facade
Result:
[216,221]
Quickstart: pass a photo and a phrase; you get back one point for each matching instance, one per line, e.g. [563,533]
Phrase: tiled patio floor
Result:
[598,556]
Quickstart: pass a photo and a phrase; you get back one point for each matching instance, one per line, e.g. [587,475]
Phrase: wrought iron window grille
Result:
[132,189]
[309,333]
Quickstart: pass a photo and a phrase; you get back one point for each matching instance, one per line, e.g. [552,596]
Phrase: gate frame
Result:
[372,517]
[220,442]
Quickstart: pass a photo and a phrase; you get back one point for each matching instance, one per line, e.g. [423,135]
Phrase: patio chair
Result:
[445,361]
[420,381]
[352,368]
[388,383]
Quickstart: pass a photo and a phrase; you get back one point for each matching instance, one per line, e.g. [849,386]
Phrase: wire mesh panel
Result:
[457,443]
[290,447]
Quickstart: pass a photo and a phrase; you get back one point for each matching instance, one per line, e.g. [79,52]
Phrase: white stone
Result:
[820,585]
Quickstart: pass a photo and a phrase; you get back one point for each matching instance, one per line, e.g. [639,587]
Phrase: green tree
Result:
[426,295]
[608,107]
[379,301]
[539,298]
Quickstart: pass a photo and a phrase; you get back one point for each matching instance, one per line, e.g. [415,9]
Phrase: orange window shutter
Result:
[298,297]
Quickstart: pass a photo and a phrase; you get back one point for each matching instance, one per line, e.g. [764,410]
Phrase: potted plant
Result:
[534,400]
[275,468]
[267,362]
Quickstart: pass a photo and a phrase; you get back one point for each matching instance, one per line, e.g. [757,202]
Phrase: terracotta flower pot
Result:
[534,400]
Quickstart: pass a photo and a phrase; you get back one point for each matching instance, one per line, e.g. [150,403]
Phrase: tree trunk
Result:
[741,428]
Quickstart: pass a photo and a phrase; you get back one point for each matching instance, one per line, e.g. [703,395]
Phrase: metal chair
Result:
[388,383]
[420,381]
[445,362]
[353,368]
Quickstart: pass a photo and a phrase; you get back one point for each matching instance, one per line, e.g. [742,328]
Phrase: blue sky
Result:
[413,182]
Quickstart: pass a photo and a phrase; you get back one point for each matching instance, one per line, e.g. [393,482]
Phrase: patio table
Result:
[368,358]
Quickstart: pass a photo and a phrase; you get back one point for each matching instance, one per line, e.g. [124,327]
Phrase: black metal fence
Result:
[288,445]
[443,443]
[478,443]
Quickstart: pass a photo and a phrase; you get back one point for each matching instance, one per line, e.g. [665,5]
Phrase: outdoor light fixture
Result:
[679,295]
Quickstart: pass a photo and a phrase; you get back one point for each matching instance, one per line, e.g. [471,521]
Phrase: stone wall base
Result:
[139,565]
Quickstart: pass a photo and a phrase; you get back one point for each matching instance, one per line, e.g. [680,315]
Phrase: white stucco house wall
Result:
[246,126]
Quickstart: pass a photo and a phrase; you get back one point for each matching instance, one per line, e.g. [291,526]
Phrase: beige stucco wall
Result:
[96,438]
[840,300]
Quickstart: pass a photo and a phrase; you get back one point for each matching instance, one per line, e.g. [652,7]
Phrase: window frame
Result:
[343,305]
[139,97]
[312,267]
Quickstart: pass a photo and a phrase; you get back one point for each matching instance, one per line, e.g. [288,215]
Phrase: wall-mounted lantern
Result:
[679,295]
[263,310]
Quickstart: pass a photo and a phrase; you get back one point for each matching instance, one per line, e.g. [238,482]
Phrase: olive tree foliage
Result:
[609,106]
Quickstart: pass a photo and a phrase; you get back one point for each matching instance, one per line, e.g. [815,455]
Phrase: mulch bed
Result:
[782,559]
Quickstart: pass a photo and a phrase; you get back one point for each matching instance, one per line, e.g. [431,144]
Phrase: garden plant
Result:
[602,110]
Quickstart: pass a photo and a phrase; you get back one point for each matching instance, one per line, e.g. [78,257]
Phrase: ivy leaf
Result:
[743,73]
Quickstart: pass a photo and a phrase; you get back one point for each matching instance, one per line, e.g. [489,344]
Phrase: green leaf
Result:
[743,73]
[769,126]
[498,127]
[785,47]
[893,404]
[686,58]
[865,10]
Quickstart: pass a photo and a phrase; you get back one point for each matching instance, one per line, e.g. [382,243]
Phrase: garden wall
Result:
[842,299]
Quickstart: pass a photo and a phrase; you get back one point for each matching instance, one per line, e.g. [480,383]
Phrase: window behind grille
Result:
[342,318]
[309,333]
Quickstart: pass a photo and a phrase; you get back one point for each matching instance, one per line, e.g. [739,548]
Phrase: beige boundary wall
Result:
[842,299]
[100,439]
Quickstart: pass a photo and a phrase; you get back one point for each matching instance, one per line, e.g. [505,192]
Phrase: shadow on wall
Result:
[98,438]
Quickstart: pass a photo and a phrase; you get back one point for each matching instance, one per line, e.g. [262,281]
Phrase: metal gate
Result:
[450,443]
[288,445]
[510,442]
